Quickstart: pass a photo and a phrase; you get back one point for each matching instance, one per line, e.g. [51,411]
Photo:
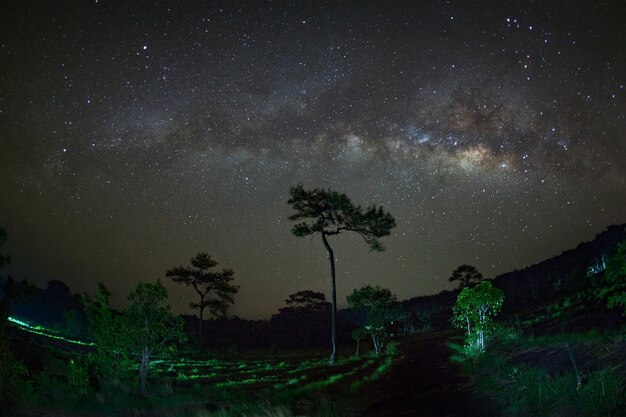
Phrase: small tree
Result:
[466,275]
[148,328]
[402,321]
[378,305]
[214,288]
[474,311]
[359,334]
[330,213]
[305,301]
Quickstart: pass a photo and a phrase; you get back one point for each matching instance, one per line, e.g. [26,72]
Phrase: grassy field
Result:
[556,364]
[191,383]
[563,359]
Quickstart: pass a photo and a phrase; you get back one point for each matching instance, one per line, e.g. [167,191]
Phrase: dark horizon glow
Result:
[135,135]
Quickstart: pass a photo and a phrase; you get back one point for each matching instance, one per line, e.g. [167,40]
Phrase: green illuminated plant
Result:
[78,378]
[358,335]
[148,328]
[474,311]
[614,288]
[109,356]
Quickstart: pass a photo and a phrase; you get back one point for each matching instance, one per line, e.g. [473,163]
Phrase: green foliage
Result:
[386,363]
[359,334]
[529,391]
[466,275]
[377,303]
[536,393]
[73,325]
[563,308]
[148,328]
[602,395]
[215,289]
[145,329]
[78,378]
[109,358]
[182,385]
[146,322]
[526,390]
[474,311]
[509,335]
[614,288]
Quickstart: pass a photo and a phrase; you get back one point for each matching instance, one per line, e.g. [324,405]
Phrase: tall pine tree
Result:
[329,213]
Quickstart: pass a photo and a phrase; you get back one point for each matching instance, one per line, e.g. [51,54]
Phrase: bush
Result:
[78,378]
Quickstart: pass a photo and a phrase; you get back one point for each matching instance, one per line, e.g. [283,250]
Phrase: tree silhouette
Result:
[330,213]
[305,301]
[467,275]
[206,283]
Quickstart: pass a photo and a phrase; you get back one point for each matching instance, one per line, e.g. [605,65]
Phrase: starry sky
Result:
[134,135]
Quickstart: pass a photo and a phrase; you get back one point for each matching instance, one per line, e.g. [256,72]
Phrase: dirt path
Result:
[423,383]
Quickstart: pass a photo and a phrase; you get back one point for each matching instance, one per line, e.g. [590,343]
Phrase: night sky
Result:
[134,135]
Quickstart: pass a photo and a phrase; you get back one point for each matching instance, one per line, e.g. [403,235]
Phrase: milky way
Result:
[135,135]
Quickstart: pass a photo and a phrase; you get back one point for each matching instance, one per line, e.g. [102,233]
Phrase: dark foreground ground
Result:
[422,383]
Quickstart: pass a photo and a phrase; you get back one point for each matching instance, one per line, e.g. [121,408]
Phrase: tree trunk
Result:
[143,371]
[201,311]
[331,258]
[375,342]
[482,320]
[358,342]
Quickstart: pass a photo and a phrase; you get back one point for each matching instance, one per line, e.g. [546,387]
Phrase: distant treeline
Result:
[56,307]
